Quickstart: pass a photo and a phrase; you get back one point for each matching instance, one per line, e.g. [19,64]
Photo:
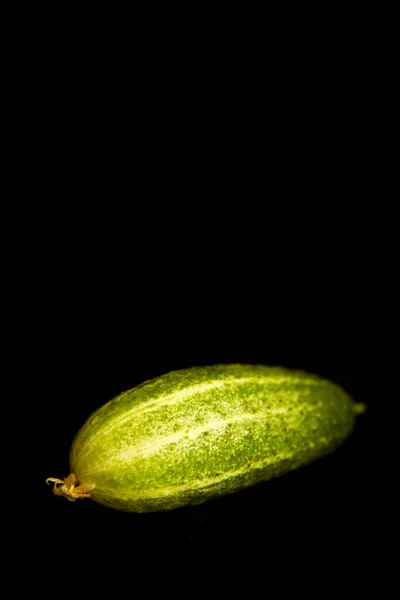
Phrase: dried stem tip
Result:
[70,488]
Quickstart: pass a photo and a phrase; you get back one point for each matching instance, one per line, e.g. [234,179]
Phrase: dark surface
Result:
[176,209]
[118,297]
[268,242]
[152,294]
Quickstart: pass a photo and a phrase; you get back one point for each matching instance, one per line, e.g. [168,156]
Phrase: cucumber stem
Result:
[70,488]
[359,408]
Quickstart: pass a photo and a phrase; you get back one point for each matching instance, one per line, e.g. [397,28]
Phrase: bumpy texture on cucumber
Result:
[199,433]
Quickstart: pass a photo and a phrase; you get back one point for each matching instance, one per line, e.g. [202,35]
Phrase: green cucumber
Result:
[195,434]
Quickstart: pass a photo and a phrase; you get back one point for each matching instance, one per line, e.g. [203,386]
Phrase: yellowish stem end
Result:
[359,408]
[70,488]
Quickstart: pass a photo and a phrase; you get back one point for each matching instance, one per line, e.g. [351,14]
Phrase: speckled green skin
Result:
[195,434]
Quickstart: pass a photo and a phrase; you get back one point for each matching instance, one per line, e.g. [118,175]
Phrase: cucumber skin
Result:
[195,434]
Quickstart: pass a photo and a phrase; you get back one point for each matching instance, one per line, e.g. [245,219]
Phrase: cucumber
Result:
[195,434]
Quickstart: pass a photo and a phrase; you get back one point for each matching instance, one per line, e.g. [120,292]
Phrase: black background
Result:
[190,216]
[271,265]
[206,288]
